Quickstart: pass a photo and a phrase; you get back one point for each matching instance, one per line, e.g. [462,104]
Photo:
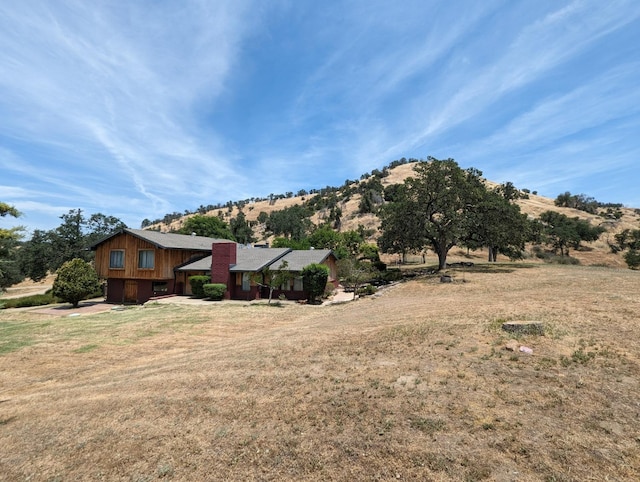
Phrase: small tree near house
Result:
[354,273]
[76,279]
[273,279]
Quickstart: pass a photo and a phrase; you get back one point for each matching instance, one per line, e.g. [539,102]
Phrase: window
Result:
[146,259]
[297,283]
[116,259]
[246,281]
[160,287]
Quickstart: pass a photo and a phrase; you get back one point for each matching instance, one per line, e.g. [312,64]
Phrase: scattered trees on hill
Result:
[588,204]
[562,232]
[628,241]
[577,201]
[241,229]
[293,222]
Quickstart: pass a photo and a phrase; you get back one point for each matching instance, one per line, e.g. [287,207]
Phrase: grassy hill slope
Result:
[597,253]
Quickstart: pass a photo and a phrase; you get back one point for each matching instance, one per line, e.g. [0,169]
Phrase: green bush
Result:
[314,280]
[197,283]
[367,290]
[632,258]
[214,291]
[75,280]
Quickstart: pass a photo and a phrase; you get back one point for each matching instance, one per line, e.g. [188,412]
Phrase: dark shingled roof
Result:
[254,259]
[299,259]
[168,240]
[248,260]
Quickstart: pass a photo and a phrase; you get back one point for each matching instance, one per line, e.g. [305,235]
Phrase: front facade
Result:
[140,265]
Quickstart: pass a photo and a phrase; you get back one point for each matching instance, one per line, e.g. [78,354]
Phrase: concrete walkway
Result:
[339,297]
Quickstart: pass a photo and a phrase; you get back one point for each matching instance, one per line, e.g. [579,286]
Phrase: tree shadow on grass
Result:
[494,268]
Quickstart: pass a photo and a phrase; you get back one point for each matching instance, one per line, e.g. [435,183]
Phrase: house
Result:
[140,264]
[237,266]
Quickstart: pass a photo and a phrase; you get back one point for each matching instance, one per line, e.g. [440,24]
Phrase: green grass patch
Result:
[28,301]
[86,348]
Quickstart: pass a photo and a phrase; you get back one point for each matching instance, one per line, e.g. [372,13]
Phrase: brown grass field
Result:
[411,384]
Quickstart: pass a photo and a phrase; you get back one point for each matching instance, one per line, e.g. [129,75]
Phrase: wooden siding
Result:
[164,263]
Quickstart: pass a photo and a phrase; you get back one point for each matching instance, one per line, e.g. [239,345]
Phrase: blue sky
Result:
[140,108]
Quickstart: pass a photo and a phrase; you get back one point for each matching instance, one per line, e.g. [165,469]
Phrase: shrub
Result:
[314,280]
[214,291]
[367,290]
[76,280]
[197,283]
[632,258]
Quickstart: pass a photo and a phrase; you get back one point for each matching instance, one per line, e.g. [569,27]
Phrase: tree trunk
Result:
[493,254]
[442,259]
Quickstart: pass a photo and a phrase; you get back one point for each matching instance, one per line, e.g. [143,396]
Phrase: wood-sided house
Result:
[141,264]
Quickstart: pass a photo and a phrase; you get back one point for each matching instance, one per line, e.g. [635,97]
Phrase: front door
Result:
[130,291]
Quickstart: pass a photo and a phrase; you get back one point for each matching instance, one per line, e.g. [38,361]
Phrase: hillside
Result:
[596,253]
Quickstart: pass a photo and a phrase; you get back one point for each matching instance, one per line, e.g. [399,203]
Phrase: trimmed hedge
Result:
[214,291]
[197,283]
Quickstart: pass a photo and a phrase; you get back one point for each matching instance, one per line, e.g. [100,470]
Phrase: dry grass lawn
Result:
[413,384]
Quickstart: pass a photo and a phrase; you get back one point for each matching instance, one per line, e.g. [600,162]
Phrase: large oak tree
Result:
[433,209]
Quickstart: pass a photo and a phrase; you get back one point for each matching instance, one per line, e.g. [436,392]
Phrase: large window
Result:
[297,283]
[146,259]
[116,259]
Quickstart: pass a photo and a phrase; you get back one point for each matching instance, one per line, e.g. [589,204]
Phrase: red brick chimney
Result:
[223,256]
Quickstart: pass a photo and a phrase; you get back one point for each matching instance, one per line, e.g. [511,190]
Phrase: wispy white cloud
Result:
[119,81]
[538,48]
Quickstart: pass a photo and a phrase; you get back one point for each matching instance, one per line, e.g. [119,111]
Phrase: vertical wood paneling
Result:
[165,259]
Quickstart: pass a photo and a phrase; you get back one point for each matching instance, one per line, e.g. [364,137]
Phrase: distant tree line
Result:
[47,251]
[588,204]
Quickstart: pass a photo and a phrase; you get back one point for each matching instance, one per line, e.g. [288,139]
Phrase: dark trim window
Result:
[116,259]
[146,259]
[160,287]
